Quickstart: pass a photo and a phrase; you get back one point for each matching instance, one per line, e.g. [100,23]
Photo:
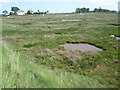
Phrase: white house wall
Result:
[20,13]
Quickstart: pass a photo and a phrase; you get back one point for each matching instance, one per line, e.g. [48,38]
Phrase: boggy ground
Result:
[38,39]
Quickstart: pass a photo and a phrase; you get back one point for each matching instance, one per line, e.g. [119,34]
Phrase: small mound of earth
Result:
[82,47]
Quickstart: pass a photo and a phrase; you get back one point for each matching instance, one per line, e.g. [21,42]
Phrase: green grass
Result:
[19,73]
[37,39]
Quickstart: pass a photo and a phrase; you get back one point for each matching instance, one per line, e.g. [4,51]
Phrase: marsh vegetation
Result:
[38,40]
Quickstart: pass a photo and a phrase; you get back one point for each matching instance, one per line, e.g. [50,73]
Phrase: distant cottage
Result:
[19,12]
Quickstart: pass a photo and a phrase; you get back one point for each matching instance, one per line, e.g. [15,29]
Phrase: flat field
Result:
[39,39]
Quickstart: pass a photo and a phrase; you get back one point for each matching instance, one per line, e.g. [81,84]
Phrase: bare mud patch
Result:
[81,46]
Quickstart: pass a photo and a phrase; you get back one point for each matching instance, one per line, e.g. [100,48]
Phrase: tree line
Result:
[78,10]
[82,10]
[15,9]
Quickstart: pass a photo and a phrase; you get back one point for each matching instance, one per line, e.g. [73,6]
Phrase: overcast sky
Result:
[58,6]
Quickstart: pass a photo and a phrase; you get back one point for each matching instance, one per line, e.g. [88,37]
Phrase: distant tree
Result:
[11,13]
[5,12]
[81,10]
[14,9]
[30,12]
[102,10]
[38,11]
[35,13]
[87,9]
[77,10]
[114,11]
[95,10]
[47,11]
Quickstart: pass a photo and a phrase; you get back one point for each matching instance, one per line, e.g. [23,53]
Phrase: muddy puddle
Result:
[81,47]
[69,20]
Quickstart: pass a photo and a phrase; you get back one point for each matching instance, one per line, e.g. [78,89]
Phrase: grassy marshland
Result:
[33,55]
[17,72]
